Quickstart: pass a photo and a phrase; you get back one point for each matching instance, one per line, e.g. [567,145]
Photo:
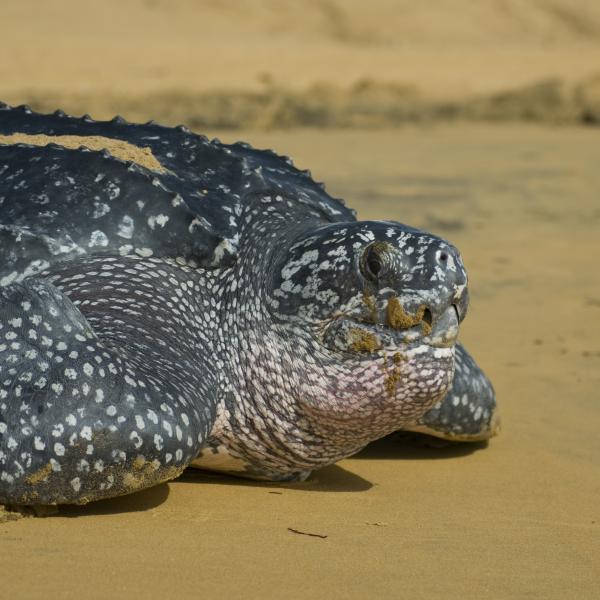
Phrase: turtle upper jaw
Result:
[444,331]
[359,335]
[439,333]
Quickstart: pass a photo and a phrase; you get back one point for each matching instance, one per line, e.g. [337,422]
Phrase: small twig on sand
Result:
[318,535]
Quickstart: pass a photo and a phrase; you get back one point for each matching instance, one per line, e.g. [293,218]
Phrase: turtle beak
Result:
[402,320]
[444,330]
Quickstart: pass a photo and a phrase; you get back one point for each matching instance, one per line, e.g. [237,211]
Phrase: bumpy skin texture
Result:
[221,310]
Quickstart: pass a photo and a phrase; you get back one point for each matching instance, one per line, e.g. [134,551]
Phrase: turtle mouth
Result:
[362,335]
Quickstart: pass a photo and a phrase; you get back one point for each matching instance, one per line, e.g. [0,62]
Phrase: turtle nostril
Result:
[427,317]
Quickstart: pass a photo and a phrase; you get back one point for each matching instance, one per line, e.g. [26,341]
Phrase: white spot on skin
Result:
[144,252]
[100,209]
[160,220]
[59,449]
[57,388]
[70,374]
[98,238]
[136,439]
[223,247]
[126,227]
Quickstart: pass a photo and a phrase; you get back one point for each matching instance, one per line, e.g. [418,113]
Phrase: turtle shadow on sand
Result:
[396,446]
[328,479]
[138,502]
[405,445]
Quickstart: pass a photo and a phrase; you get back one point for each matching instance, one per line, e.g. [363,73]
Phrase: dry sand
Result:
[274,63]
[518,519]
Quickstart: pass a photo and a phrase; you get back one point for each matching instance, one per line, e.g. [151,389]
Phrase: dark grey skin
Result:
[216,308]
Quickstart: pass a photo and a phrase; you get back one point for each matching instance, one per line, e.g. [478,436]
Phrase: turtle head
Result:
[381,305]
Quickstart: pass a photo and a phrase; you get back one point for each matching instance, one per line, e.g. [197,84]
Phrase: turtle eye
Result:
[371,263]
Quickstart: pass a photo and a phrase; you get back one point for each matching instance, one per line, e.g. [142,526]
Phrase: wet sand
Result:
[518,518]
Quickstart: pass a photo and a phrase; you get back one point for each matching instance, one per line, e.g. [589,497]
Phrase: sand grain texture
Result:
[122,150]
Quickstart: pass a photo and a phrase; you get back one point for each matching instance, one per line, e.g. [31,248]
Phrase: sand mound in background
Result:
[326,63]
[366,104]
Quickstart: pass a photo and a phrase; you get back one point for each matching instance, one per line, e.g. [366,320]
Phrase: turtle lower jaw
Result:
[358,336]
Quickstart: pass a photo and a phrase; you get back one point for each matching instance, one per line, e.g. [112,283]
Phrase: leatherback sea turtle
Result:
[167,301]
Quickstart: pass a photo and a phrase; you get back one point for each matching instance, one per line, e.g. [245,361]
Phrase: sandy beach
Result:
[516,518]
[323,63]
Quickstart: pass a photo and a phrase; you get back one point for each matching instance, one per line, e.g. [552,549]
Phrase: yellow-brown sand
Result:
[118,148]
[518,519]
[440,46]
[320,62]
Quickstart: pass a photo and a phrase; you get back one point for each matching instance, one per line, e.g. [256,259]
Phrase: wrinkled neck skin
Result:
[287,404]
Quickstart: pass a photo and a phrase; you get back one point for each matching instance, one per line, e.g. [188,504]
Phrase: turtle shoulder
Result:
[278,173]
[58,203]
[197,186]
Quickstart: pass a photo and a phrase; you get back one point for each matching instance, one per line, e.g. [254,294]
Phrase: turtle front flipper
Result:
[99,394]
[468,412]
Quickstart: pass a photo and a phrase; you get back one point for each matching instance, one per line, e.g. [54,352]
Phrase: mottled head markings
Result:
[391,285]
[142,156]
